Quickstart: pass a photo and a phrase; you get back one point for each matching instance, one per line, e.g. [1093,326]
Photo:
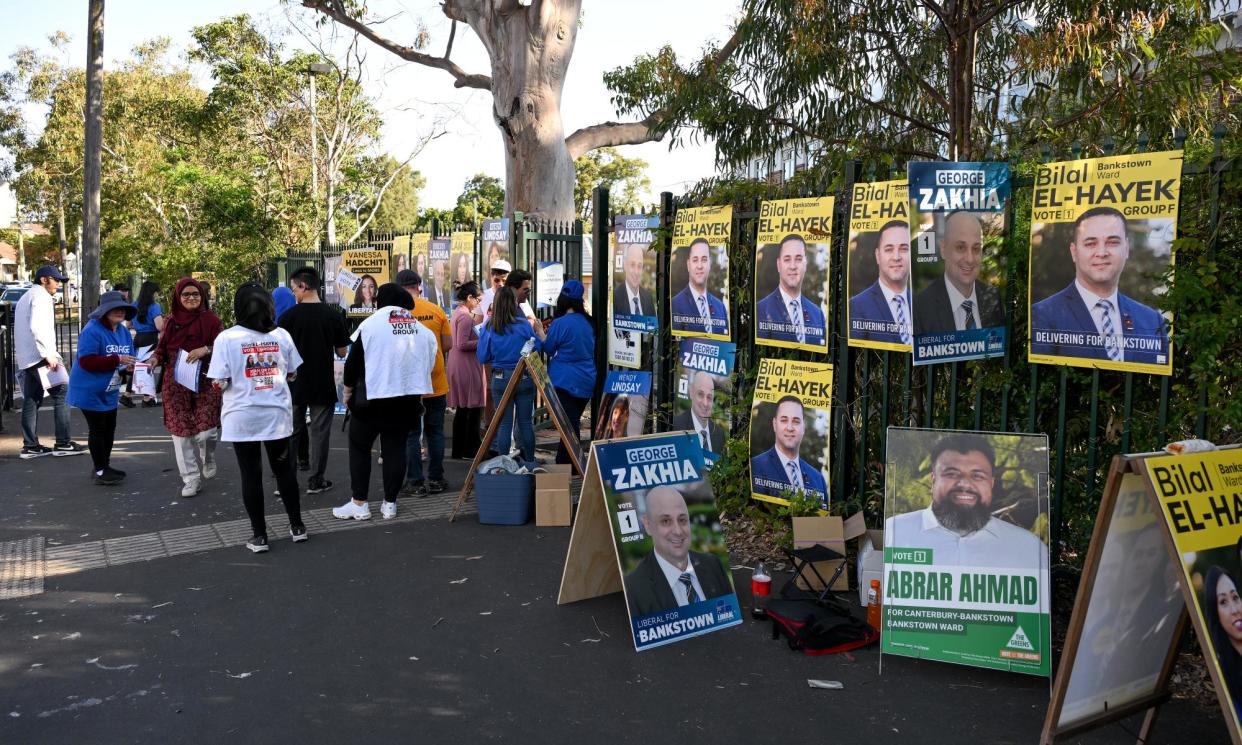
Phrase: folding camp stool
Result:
[803,560]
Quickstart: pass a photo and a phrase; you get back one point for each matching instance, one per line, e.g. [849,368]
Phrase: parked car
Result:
[13,294]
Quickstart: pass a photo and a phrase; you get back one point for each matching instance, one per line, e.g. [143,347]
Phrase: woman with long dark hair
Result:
[191,417]
[257,413]
[570,346]
[465,374]
[1222,607]
[506,335]
[148,322]
[364,296]
[105,348]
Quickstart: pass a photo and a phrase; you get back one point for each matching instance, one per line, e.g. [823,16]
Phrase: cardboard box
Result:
[870,564]
[553,508]
[557,477]
[824,531]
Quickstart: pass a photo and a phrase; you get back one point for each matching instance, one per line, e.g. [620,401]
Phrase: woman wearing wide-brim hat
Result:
[105,348]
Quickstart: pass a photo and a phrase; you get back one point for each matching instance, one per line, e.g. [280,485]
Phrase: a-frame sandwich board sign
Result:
[1168,527]
[532,364]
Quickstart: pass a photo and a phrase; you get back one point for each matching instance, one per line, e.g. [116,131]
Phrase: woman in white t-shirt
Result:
[257,412]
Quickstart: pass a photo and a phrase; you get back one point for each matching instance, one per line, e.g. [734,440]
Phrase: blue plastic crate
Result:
[505,499]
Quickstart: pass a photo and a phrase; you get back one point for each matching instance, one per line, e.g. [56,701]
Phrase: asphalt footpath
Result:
[413,630]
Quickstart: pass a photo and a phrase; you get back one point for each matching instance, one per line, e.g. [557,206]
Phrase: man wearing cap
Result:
[432,317]
[500,272]
[34,346]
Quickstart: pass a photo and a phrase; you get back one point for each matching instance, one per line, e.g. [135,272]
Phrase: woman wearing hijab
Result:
[257,414]
[465,374]
[192,418]
[105,348]
[387,372]
[570,346]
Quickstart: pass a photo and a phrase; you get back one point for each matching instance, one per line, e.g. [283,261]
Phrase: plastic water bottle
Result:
[760,589]
[874,615]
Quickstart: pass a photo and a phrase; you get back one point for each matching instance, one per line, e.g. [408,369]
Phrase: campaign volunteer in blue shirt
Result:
[505,333]
[104,350]
[148,323]
[570,346]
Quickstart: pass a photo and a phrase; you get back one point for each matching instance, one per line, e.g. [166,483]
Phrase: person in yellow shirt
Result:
[434,319]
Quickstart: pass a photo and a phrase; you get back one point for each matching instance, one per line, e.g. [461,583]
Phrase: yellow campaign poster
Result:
[1102,233]
[789,424]
[792,263]
[418,253]
[359,278]
[400,254]
[1201,501]
[699,281]
[461,262]
[878,267]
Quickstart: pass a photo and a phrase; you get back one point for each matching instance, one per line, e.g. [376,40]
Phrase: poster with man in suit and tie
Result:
[791,273]
[789,424]
[666,530]
[699,276]
[878,267]
[1102,233]
[704,392]
[957,226]
[633,273]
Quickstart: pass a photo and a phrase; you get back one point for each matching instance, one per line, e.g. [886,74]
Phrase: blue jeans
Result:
[32,399]
[522,406]
[433,418]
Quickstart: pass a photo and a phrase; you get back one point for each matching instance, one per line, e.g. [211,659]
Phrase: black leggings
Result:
[392,431]
[574,407]
[466,440]
[101,428]
[250,463]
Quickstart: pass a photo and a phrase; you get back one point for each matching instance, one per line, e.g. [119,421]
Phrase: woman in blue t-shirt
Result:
[104,350]
[148,323]
[570,346]
[504,336]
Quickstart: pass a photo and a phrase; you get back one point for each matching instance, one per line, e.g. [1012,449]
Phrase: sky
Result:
[413,98]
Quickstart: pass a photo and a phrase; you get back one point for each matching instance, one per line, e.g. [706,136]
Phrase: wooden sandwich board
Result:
[1162,519]
[534,365]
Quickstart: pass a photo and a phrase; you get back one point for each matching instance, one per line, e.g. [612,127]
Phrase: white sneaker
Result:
[388,510]
[351,511]
[191,488]
[209,469]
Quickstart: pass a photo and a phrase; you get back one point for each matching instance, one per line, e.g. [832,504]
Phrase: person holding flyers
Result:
[465,375]
[882,312]
[104,349]
[698,418]
[1115,325]
[694,308]
[786,314]
[958,525]
[148,324]
[781,467]
[505,336]
[959,301]
[1222,608]
[570,347]
[34,347]
[672,575]
[630,297]
[257,414]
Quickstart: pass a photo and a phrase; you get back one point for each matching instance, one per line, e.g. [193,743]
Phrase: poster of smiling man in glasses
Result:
[965,557]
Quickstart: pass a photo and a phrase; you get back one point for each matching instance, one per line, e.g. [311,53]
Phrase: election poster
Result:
[1200,498]
[957,226]
[699,274]
[705,392]
[1102,233]
[495,242]
[624,405]
[965,549]
[792,263]
[331,291]
[358,279]
[401,246]
[549,279]
[663,516]
[461,263]
[625,349]
[633,273]
[436,289]
[789,424]
[878,267]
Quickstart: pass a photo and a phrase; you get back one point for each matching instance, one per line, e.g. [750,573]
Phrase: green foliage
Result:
[481,197]
[399,208]
[625,178]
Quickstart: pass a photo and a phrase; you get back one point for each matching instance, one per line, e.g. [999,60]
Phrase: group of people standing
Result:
[405,366]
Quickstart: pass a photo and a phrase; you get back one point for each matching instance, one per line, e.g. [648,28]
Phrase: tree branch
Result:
[335,10]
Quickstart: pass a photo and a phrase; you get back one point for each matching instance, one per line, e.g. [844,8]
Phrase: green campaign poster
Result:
[965,549]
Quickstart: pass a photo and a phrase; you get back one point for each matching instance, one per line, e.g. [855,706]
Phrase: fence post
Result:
[842,375]
[601,277]
[662,380]
[518,236]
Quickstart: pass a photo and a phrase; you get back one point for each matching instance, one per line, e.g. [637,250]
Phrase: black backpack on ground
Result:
[813,629]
